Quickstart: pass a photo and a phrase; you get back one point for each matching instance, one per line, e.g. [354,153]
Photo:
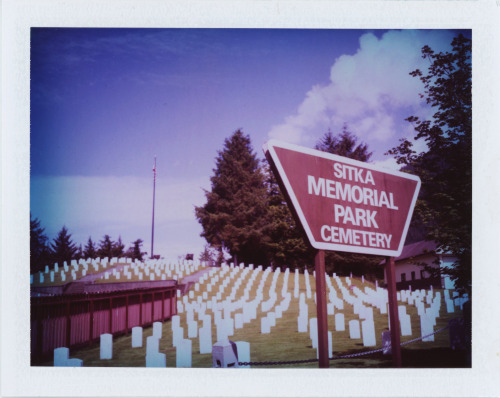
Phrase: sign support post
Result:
[393,311]
[322,316]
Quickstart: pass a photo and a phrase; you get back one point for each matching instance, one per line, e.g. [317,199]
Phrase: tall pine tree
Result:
[63,248]
[106,247]
[90,251]
[288,244]
[234,216]
[118,247]
[39,249]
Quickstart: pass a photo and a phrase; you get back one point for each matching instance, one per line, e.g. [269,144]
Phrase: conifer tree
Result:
[39,249]
[288,244]
[105,247]
[135,251]
[63,248]
[90,250]
[118,247]
[345,144]
[234,216]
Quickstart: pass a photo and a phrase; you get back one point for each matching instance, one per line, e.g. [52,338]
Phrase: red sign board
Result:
[344,204]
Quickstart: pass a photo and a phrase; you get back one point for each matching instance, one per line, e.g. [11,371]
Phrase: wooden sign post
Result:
[393,311]
[348,206]
[321,312]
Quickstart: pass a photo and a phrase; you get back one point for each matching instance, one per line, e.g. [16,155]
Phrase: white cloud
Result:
[371,90]
[388,164]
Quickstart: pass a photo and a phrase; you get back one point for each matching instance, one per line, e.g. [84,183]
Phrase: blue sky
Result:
[104,102]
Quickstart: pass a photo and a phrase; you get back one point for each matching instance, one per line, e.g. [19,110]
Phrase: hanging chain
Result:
[359,354]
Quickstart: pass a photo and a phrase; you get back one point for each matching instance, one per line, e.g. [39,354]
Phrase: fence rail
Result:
[76,320]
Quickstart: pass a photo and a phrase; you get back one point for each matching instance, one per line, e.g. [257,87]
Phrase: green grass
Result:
[284,343]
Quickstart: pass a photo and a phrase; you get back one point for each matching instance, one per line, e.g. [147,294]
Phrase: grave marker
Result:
[137,336]
[106,351]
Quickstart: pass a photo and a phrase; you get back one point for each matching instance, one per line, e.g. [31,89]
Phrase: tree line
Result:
[62,248]
[246,215]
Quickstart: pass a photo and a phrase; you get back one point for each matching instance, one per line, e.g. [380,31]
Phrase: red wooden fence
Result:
[75,320]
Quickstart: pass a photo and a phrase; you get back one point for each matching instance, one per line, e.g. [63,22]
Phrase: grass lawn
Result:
[284,343]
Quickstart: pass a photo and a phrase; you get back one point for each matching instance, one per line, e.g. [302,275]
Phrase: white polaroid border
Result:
[19,379]
[270,146]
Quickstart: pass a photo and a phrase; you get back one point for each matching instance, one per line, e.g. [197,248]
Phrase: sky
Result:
[105,102]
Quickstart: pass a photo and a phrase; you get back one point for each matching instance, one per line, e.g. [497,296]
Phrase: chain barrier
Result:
[359,354]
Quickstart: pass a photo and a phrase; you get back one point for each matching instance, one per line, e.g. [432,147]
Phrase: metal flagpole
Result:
[153,222]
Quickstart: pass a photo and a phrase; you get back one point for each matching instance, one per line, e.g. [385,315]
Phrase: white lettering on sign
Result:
[352,216]
[350,173]
[363,217]
[350,193]
[355,237]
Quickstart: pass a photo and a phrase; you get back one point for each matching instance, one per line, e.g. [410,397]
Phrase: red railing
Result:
[76,320]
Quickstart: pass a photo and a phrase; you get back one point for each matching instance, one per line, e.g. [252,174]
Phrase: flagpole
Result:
[153,222]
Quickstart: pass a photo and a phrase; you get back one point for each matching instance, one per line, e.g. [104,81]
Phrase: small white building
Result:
[410,271]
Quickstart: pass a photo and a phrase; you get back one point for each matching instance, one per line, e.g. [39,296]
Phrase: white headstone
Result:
[61,355]
[426,328]
[238,321]
[157,329]
[313,331]
[152,345]
[184,354]
[192,329]
[156,360]
[136,336]
[177,335]
[74,362]
[354,332]
[368,328]
[302,323]
[106,346]
[339,322]
[243,349]
[205,338]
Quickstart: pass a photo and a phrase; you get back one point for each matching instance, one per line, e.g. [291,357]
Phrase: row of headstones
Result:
[226,325]
[221,357]
[154,270]
[73,268]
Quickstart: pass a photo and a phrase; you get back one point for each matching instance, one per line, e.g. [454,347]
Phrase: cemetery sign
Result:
[344,204]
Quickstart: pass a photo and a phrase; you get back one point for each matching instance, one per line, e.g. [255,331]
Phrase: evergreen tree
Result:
[136,252]
[39,250]
[445,201]
[79,253]
[118,247]
[234,216]
[288,245]
[63,248]
[90,250]
[346,144]
[105,247]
